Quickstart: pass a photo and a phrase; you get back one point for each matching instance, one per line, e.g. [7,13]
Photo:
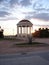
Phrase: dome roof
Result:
[24,20]
[24,23]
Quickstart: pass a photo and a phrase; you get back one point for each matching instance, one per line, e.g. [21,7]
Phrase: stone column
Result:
[26,30]
[21,30]
[17,30]
[29,30]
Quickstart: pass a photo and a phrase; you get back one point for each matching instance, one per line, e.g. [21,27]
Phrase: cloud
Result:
[40,16]
[4,13]
[13,2]
[40,9]
[35,10]
[20,2]
[29,17]
[11,18]
[40,5]
[30,13]
[37,4]
[1,0]
[25,2]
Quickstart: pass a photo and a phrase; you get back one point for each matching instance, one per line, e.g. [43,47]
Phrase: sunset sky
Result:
[12,11]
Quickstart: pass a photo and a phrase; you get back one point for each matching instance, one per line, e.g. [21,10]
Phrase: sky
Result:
[12,11]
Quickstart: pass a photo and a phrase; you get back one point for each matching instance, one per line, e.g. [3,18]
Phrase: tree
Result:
[1,33]
[30,39]
[42,33]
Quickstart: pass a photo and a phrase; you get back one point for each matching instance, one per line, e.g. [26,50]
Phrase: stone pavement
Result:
[42,40]
[25,58]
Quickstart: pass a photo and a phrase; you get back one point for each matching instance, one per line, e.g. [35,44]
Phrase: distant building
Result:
[24,28]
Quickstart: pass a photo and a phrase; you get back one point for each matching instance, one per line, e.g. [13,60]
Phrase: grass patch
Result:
[34,44]
[1,39]
[9,39]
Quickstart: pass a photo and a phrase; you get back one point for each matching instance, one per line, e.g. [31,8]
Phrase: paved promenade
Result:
[42,40]
[27,58]
[10,55]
